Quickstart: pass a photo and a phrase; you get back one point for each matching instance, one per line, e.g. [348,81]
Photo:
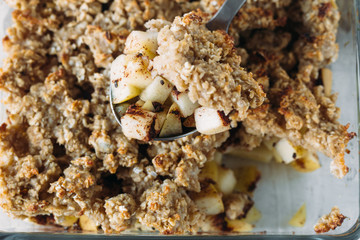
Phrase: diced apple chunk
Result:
[239,225]
[131,69]
[253,215]
[218,157]
[286,151]
[142,42]
[299,218]
[211,121]
[172,125]
[158,91]
[247,178]
[161,117]
[261,154]
[120,109]
[122,93]
[139,103]
[139,124]
[148,105]
[307,163]
[209,200]
[209,171]
[67,221]
[270,144]
[86,224]
[226,180]
[186,106]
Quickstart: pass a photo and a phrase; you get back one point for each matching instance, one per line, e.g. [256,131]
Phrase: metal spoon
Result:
[220,21]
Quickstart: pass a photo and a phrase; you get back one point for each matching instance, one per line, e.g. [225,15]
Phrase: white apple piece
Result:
[139,103]
[211,121]
[158,91]
[121,108]
[239,225]
[86,224]
[121,93]
[218,157]
[209,171]
[209,200]
[148,105]
[186,106]
[247,178]
[131,69]
[253,215]
[161,117]
[226,180]
[139,124]
[286,151]
[142,42]
[172,125]
[67,221]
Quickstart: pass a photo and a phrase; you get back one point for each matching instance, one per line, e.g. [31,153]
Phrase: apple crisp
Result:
[65,161]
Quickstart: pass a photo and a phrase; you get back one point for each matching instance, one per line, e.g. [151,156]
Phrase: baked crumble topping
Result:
[205,64]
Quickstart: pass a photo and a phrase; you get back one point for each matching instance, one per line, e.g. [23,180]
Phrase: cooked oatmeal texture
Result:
[64,155]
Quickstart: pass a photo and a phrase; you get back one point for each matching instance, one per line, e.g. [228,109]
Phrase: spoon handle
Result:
[222,19]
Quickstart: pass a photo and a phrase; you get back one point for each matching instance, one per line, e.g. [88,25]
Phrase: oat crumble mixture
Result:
[205,64]
[63,154]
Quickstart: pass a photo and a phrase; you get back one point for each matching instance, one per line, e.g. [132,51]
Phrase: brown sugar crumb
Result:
[330,221]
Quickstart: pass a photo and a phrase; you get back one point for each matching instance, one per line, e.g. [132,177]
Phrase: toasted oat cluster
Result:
[65,160]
